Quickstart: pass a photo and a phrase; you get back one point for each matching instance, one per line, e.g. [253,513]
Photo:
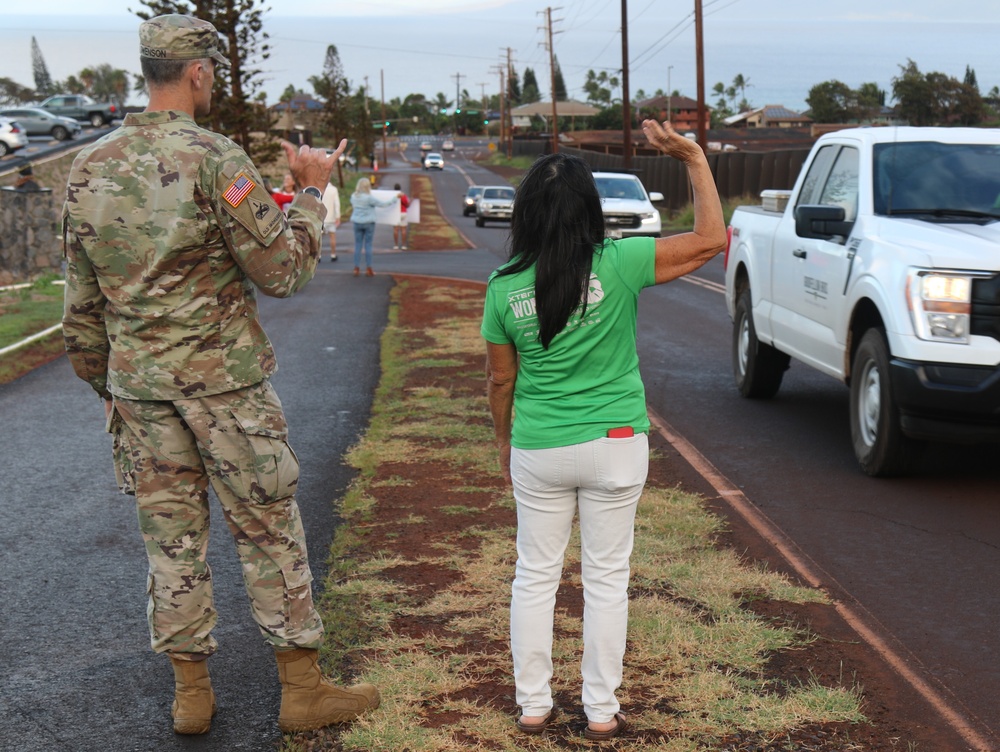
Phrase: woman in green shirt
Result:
[560,330]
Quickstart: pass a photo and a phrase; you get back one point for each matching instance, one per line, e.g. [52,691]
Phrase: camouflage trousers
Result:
[167,454]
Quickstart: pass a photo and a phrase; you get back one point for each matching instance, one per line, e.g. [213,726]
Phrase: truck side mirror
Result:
[821,222]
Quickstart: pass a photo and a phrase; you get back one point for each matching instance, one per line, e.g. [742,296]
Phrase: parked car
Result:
[12,136]
[628,209]
[80,107]
[39,122]
[494,205]
[448,145]
[471,198]
[433,161]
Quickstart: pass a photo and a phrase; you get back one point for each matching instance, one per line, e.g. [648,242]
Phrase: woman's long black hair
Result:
[556,224]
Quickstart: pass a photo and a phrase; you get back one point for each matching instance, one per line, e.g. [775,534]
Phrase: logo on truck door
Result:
[815,288]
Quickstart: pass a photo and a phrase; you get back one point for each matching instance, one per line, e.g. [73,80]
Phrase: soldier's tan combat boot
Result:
[310,701]
[194,700]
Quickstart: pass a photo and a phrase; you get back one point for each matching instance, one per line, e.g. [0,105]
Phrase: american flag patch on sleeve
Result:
[238,190]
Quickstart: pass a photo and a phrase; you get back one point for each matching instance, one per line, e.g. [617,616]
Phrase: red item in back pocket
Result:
[620,433]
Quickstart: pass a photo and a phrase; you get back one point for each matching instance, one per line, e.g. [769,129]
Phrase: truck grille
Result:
[627,221]
[985,319]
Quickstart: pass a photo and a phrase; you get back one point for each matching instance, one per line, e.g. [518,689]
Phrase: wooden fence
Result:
[737,173]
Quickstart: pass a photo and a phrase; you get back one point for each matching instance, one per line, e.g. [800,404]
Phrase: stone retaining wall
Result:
[30,240]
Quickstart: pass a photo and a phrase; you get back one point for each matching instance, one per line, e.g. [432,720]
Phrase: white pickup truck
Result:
[883,270]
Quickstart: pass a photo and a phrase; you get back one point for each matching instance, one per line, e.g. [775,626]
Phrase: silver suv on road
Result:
[494,204]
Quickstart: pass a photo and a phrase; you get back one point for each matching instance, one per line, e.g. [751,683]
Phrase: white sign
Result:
[413,212]
[386,215]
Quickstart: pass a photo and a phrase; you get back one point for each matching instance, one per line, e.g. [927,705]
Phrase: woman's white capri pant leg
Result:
[603,479]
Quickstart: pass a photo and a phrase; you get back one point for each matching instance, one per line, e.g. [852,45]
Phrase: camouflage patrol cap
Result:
[178,37]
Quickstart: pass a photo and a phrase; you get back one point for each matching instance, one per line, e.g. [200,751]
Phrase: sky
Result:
[430,46]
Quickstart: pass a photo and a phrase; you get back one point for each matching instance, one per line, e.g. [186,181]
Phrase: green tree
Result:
[43,81]
[290,92]
[335,91]
[596,88]
[235,111]
[12,93]
[558,82]
[108,84]
[936,98]
[913,94]
[529,91]
[724,105]
[513,87]
[870,100]
[831,102]
[741,82]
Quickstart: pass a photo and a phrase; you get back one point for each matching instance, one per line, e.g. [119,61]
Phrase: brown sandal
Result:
[538,728]
[599,736]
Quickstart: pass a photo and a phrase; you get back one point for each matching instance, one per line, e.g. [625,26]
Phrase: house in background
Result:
[683,111]
[301,112]
[768,116]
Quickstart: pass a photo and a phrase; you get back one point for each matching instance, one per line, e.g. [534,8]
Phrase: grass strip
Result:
[24,313]
[419,585]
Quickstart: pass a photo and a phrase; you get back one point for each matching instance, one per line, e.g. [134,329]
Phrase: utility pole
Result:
[368,119]
[385,157]
[670,118]
[552,77]
[458,101]
[509,118]
[626,104]
[503,98]
[700,60]
[485,104]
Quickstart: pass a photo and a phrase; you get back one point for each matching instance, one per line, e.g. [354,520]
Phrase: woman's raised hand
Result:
[666,139]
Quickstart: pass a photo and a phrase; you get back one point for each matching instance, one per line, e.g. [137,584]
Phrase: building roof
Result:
[300,103]
[676,103]
[566,108]
[769,113]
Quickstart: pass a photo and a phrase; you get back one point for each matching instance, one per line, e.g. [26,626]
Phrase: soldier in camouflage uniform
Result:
[168,230]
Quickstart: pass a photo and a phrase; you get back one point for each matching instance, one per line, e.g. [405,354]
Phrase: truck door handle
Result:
[799,253]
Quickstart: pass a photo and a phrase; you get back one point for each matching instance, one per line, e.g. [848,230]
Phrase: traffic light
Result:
[386,123]
[486,121]
[458,110]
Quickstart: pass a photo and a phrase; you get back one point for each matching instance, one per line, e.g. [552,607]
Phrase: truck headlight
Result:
[940,305]
[648,217]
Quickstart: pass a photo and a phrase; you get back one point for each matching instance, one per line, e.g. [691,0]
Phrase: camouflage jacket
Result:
[167,229]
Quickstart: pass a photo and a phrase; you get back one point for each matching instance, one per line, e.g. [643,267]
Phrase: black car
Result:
[471,197]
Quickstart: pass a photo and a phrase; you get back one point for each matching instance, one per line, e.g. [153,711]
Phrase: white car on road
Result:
[628,209]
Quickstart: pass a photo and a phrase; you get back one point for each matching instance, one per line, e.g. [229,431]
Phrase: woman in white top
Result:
[331,200]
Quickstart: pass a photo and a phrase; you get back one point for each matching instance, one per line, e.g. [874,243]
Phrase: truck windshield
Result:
[625,188]
[942,182]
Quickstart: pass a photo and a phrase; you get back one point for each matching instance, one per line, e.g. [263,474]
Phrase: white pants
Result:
[605,478]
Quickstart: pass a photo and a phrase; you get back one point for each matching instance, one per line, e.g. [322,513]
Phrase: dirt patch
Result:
[433,232]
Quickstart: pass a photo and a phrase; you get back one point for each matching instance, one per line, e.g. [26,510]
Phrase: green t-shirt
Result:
[588,380]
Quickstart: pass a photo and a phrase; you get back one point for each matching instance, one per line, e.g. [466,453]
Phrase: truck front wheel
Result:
[757,367]
[879,444]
